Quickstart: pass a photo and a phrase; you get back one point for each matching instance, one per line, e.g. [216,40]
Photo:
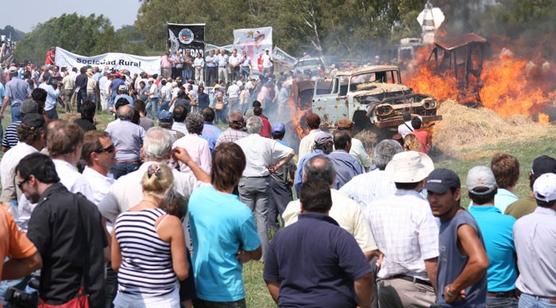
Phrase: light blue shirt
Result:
[211,133]
[1,93]
[51,97]
[497,230]
[503,199]
[298,179]
[346,167]
[221,225]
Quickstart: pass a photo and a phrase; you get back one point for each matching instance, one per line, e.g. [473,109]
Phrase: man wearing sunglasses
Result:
[99,154]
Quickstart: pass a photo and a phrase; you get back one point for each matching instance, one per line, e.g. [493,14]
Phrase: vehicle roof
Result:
[368,69]
[452,43]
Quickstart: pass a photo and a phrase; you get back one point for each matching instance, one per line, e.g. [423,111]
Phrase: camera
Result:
[21,299]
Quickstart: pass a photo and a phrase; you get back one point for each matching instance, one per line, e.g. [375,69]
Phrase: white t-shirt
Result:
[234,60]
[199,62]
[266,61]
[233,91]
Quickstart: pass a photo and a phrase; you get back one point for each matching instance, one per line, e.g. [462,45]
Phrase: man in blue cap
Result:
[280,181]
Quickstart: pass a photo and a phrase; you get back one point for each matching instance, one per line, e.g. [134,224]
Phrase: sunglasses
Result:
[109,149]
[20,184]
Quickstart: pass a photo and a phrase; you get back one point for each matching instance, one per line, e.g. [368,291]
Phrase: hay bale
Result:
[463,130]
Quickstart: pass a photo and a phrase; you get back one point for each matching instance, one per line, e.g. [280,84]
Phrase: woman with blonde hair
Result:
[410,143]
[148,247]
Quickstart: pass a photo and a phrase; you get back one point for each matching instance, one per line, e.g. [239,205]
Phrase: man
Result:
[234,62]
[81,86]
[264,156]
[223,233]
[15,245]
[280,180]
[235,130]
[198,65]
[357,150]
[196,146]
[527,205]
[368,187]
[535,242]
[233,96]
[126,191]
[346,166]
[64,141]
[324,144]
[203,99]
[496,229]
[166,65]
[314,263]
[32,139]
[212,71]
[145,122]
[266,131]
[17,90]
[268,63]
[210,132]
[103,84]
[179,115]
[128,138]
[307,142]
[99,154]
[463,262]
[67,230]
[406,232]
[222,61]
[87,120]
[123,92]
[166,121]
[346,212]
[505,168]
[68,86]
[10,139]
[53,92]
[422,135]
[405,128]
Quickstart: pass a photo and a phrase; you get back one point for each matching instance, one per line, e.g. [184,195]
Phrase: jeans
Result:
[186,73]
[281,195]
[16,113]
[152,107]
[171,300]
[254,192]
[199,303]
[531,301]
[510,302]
[111,286]
[81,97]
[52,114]
[245,71]
[123,168]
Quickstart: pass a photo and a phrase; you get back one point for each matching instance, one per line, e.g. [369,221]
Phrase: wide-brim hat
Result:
[409,167]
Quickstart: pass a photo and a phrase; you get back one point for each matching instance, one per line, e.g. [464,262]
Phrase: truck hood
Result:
[381,88]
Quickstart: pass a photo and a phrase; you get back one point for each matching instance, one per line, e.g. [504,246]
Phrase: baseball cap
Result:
[543,164]
[33,120]
[344,123]
[323,138]
[481,177]
[545,187]
[29,106]
[279,128]
[122,87]
[13,69]
[165,116]
[440,180]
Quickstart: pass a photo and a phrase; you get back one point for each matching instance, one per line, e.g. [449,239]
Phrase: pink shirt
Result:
[198,149]
[165,62]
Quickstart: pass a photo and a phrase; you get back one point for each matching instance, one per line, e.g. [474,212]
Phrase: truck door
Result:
[330,102]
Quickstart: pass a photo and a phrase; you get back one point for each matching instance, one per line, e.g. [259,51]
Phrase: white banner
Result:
[254,42]
[113,60]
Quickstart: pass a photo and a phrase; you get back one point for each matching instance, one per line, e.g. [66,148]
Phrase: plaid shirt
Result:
[405,231]
[231,135]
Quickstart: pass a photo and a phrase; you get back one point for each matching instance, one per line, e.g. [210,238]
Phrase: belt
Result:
[412,279]
[502,294]
[552,300]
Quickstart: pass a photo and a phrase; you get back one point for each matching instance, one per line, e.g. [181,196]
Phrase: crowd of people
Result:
[162,208]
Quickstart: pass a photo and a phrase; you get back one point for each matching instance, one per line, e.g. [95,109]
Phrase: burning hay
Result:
[464,132]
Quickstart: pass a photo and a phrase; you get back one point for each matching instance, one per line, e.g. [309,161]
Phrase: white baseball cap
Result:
[409,167]
[545,187]
[481,177]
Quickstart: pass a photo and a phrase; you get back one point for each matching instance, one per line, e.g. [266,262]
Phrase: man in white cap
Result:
[496,229]
[535,243]
[407,234]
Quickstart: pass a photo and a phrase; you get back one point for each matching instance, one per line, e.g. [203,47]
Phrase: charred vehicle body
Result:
[370,96]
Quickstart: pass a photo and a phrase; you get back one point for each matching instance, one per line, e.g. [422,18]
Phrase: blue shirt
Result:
[17,90]
[51,97]
[346,167]
[503,199]
[298,179]
[127,97]
[1,93]
[496,229]
[210,133]
[315,262]
[221,225]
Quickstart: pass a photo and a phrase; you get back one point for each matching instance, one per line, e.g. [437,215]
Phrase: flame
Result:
[295,112]
[509,85]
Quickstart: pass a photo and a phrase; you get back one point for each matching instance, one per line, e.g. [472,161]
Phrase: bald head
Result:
[319,168]
[125,113]
[236,120]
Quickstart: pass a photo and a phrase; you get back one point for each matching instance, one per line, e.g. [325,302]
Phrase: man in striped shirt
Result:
[10,139]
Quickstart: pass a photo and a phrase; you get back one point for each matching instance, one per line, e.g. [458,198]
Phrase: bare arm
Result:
[475,268]
[17,268]
[281,162]
[431,266]
[182,155]
[246,256]
[4,105]
[363,290]
[116,255]
[273,289]
[171,231]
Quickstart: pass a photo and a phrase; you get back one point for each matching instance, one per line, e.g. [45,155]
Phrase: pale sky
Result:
[25,14]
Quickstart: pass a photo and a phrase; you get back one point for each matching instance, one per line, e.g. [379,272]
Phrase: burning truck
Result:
[371,96]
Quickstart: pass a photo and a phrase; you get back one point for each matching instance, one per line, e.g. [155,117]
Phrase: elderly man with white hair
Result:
[368,187]
[407,234]
[264,156]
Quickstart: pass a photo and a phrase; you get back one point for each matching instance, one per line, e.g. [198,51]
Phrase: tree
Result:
[79,34]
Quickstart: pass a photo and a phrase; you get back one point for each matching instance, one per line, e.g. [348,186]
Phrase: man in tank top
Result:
[462,262]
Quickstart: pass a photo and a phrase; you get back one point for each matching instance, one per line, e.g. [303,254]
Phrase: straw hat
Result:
[409,167]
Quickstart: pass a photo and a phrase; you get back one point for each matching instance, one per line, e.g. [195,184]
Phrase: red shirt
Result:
[266,131]
[424,140]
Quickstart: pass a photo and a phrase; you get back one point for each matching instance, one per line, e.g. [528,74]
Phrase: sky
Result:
[120,12]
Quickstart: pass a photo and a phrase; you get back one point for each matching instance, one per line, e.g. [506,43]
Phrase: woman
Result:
[148,247]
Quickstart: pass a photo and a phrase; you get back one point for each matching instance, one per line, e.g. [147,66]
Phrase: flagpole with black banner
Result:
[186,37]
